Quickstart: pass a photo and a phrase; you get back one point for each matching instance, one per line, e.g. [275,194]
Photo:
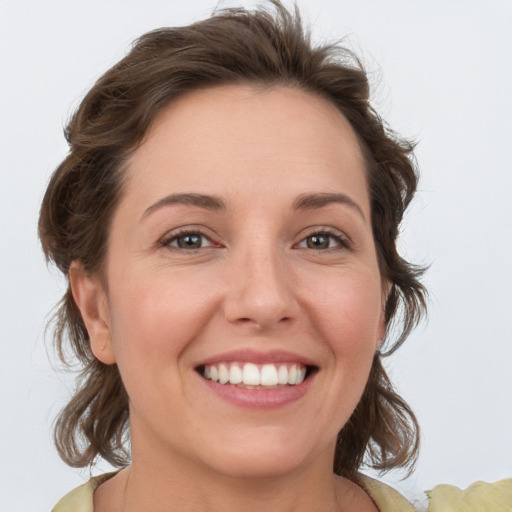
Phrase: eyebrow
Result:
[214,203]
[311,201]
[199,200]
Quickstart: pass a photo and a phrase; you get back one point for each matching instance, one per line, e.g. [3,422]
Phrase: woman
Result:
[227,217]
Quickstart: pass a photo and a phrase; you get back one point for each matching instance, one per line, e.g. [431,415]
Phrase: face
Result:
[244,301]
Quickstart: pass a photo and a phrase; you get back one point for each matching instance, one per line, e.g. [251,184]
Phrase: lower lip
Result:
[259,398]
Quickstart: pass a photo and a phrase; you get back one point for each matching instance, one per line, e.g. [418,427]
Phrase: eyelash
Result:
[342,242]
[168,240]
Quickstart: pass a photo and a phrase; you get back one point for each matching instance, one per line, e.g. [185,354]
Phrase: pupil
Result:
[189,242]
[318,242]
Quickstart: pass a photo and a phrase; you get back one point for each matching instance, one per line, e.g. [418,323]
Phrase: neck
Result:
[171,481]
[174,486]
[162,481]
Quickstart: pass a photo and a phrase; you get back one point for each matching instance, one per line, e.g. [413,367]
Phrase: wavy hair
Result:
[264,47]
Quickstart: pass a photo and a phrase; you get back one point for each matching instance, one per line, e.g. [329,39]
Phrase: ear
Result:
[91,299]
[381,332]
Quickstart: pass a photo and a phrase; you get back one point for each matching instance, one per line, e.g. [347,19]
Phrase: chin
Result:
[258,467]
[262,455]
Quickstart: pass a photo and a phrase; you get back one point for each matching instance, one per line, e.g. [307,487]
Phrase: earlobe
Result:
[90,297]
[382,329]
[381,334]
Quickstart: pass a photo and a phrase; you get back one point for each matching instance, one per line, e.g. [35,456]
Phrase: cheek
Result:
[153,319]
[349,314]
[346,313]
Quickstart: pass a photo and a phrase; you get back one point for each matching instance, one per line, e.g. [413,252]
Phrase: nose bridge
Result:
[261,291]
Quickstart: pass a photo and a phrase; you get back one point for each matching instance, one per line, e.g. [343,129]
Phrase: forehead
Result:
[238,140]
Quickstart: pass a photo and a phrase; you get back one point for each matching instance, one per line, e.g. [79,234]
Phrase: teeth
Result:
[235,374]
[249,374]
[223,374]
[282,375]
[292,375]
[269,375]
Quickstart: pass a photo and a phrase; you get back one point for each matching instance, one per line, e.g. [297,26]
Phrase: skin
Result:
[255,283]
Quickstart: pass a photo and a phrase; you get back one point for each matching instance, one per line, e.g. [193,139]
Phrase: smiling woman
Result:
[251,288]
[227,217]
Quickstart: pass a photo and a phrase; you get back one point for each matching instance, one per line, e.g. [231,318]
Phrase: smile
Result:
[258,380]
[254,376]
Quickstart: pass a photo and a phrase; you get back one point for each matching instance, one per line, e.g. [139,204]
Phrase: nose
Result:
[261,293]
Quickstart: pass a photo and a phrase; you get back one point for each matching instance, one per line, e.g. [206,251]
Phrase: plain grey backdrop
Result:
[441,73]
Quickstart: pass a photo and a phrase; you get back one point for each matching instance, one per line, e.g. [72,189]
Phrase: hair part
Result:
[235,46]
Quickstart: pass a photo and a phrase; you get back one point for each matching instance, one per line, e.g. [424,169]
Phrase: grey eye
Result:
[320,241]
[189,241]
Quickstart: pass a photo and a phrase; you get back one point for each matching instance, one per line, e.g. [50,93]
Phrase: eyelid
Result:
[344,241]
[174,234]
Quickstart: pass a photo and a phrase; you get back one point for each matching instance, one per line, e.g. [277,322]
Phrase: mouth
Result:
[249,375]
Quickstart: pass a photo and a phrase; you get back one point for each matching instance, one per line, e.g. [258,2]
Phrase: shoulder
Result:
[443,498]
[385,497]
[477,497]
[81,498]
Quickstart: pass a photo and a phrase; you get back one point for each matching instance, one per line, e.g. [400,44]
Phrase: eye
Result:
[323,240]
[188,240]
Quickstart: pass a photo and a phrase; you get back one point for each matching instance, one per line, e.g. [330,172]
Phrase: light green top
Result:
[479,497]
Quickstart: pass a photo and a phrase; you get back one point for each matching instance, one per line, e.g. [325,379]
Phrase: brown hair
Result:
[261,47]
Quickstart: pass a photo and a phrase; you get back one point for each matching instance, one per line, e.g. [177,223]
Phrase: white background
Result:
[442,72]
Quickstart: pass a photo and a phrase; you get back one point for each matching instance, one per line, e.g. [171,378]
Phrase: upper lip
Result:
[257,357]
